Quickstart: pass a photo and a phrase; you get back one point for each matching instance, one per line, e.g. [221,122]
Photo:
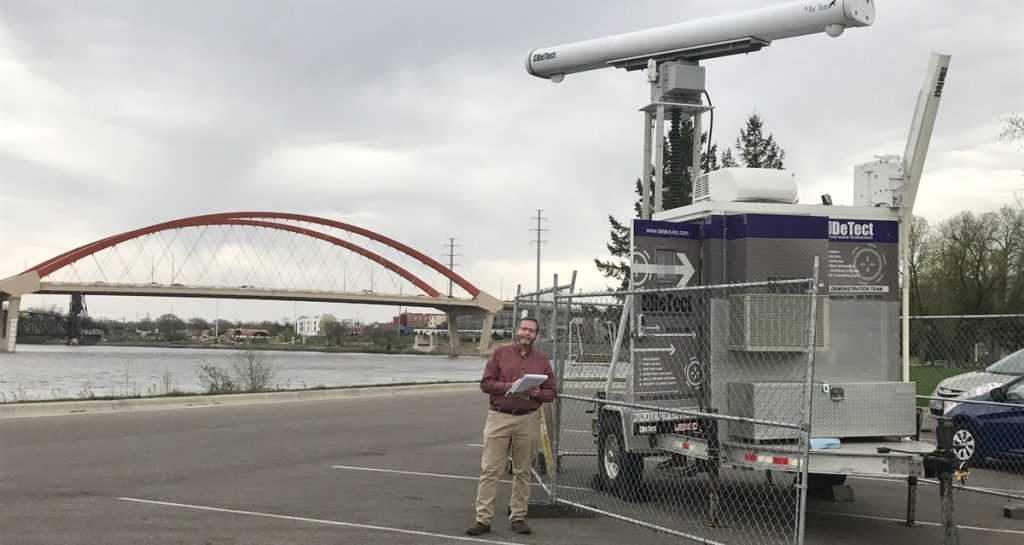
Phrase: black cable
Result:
[711,128]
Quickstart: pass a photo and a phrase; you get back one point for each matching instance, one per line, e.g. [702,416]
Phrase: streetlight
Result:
[501,290]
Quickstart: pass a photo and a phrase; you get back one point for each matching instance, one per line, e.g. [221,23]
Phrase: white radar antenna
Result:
[671,55]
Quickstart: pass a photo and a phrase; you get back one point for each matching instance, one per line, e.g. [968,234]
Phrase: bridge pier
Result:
[9,332]
[453,330]
[485,332]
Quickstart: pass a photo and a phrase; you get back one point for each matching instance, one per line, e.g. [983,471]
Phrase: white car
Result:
[976,383]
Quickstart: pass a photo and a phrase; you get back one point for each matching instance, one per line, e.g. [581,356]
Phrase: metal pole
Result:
[645,174]
[805,437]
[695,170]
[911,501]
[555,407]
[659,157]
[950,531]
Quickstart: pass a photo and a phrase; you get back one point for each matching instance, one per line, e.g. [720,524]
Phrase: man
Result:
[513,424]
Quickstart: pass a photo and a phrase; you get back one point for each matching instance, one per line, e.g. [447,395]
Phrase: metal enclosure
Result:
[714,243]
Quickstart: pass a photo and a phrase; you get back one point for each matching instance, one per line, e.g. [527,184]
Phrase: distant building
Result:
[413,319]
[308,327]
[503,320]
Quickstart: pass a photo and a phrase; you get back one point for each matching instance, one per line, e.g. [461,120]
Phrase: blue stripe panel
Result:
[800,227]
[666,229]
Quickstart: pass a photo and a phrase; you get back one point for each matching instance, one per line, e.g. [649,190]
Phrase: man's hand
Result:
[528,394]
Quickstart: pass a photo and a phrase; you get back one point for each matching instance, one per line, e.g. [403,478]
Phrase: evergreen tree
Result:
[677,190]
[618,247]
[728,160]
[754,150]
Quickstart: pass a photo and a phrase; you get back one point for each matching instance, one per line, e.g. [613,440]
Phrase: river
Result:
[41,372]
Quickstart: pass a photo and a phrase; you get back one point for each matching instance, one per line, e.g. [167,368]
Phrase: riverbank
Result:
[465,349]
[51,372]
[71,407]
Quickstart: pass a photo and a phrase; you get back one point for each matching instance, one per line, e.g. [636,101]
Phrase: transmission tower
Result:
[451,255]
[538,242]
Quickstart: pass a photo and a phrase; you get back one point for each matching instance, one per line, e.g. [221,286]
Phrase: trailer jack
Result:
[943,464]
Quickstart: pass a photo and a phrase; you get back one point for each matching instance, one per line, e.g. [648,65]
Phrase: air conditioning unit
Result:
[746,185]
[701,191]
[775,323]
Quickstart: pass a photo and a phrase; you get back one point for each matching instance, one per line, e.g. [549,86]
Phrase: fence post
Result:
[805,436]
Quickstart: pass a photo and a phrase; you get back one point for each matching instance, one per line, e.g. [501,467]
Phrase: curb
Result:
[65,408]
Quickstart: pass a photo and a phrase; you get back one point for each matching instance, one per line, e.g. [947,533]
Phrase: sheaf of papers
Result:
[528,381]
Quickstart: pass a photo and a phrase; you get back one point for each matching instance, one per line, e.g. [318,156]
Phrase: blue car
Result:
[989,430]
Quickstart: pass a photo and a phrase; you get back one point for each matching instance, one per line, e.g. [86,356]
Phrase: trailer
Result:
[746,226]
[687,390]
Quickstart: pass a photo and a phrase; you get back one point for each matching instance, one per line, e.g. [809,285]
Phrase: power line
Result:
[451,255]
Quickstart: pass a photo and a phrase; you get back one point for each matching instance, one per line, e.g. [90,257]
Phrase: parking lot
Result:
[377,469]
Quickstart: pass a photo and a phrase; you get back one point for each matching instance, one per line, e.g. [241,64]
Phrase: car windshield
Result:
[1010,365]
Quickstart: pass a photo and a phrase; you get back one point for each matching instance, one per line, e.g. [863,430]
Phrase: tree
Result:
[1013,130]
[170,327]
[197,325]
[920,255]
[677,186]
[753,149]
[327,323]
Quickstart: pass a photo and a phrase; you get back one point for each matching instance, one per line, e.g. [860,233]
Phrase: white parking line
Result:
[315,521]
[442,475]
[923,523]
[903,481]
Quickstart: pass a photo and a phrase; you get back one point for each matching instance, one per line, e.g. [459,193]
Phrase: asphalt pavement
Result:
[395,468]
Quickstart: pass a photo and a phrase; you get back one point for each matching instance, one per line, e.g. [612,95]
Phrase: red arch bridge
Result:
[252,255]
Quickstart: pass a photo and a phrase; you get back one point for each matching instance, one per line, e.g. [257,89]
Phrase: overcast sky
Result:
[418,120]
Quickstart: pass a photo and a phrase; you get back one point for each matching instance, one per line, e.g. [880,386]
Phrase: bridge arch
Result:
[259,219]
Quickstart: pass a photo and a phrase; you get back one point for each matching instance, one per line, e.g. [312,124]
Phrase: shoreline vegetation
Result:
[466,348]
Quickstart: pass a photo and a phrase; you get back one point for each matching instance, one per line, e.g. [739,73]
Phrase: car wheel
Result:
[620,470]
[966,445]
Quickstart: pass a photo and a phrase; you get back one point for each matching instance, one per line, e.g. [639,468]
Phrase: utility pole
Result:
[451,255]
[538,242]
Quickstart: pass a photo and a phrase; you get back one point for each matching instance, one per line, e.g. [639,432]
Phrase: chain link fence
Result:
[685,410]
[973,367]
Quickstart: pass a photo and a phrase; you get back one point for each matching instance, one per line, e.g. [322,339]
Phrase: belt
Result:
[516,412]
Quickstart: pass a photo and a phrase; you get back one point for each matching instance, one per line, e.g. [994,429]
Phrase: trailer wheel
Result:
[819,483]
[620,471]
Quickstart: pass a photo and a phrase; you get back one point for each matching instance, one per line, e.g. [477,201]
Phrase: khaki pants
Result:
[502,430]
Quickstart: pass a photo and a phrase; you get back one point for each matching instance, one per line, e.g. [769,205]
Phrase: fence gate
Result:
[977,363]
[685,410]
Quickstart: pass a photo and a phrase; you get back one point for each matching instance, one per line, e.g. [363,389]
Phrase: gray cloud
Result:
[417,118]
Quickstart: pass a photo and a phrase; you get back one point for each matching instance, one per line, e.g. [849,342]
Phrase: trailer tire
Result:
[619,471]
[819,483]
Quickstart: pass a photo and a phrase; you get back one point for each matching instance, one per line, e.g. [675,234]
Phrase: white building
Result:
[308,327]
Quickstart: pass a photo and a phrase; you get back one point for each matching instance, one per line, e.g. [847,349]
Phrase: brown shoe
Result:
[520,527]
[479,528]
